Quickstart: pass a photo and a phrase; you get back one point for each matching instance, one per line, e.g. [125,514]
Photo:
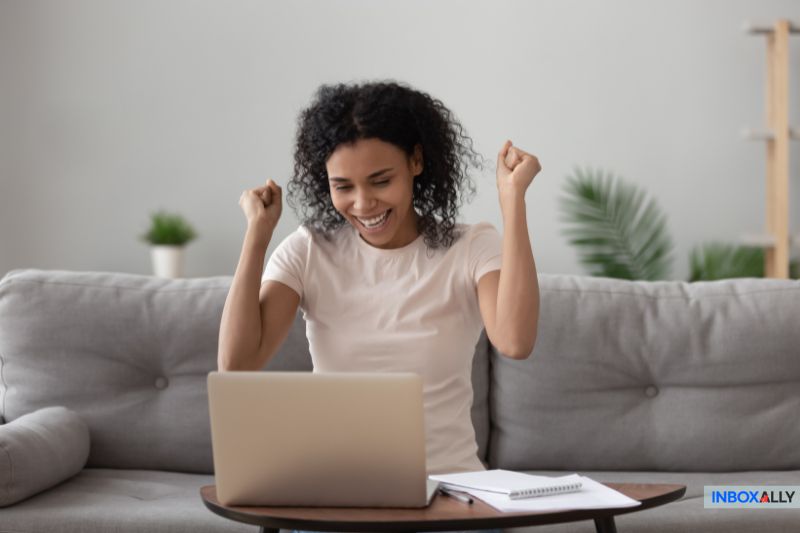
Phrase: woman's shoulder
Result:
[478,240]
[299,237]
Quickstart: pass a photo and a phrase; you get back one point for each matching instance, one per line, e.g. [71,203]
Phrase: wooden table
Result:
[444,514]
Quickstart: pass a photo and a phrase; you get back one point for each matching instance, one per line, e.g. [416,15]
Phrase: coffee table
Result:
[444,513]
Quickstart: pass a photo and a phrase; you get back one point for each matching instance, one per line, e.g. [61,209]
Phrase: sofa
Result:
[105,415]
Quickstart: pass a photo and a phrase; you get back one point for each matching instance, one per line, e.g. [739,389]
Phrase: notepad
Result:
[516,485]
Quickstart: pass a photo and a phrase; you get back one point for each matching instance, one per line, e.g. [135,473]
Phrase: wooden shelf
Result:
[778,134]
[760,28]
[765,240]
[765,134]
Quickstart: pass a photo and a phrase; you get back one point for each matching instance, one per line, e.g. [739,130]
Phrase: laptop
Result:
[307,439]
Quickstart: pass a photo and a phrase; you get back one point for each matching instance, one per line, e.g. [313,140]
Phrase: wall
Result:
[110,110]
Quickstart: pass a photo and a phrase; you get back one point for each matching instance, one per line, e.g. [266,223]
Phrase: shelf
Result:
[752,134]
[777,132]
[765,240]
[756,28]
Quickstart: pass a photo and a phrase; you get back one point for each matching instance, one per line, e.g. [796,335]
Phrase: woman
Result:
[386,278]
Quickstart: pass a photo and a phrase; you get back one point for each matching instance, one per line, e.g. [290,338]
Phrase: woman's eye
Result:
[381,183]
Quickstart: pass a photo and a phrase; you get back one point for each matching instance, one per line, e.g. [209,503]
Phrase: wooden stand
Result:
[777,242]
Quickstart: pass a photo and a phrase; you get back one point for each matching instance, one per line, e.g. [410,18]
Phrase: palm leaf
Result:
[718,260]
[619,233]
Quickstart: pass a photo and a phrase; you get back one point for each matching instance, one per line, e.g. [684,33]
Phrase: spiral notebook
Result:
[516,485]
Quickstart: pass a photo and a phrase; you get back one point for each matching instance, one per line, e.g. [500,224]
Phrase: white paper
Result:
[592,495]
[503,481]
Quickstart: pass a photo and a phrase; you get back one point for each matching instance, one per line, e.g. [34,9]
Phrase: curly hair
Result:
[395,113]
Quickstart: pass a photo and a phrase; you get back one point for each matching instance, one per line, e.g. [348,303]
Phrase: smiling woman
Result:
[379,204]
[403,129]
[386,278]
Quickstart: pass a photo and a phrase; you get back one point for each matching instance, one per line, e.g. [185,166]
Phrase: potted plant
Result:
[168,235]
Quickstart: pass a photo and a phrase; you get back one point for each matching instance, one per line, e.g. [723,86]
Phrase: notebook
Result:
[593,495]
[516,485]
[319,439]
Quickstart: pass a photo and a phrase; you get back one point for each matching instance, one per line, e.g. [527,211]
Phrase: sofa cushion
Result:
[40,450]
[129,353]
[666,376]
[122,501]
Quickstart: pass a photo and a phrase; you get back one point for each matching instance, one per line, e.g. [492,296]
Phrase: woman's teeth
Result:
[375,221]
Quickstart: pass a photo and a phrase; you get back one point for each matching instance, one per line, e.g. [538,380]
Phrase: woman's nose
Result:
[364,201]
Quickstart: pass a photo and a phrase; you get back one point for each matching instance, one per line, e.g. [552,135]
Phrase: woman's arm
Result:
[509,299]
[255,318]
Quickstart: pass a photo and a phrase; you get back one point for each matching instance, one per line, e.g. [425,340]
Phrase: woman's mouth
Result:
[376,223]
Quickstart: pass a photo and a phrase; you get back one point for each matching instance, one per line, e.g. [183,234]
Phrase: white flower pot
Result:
[167,261]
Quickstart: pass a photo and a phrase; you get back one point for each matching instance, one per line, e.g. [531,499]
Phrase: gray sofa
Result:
[697,384]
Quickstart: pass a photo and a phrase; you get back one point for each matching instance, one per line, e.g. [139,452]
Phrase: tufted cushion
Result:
[654,376]
[40,450]
[131,354]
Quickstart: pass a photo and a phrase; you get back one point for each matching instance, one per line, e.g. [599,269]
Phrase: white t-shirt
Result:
[408,309]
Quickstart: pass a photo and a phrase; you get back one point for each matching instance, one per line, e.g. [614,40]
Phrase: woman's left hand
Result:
[515,170]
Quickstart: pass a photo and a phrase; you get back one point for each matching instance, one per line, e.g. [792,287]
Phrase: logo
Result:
[751,497]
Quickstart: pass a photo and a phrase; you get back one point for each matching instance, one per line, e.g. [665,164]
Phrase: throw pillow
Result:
[40,450]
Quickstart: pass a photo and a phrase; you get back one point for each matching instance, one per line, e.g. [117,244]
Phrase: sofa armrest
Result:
[40,450]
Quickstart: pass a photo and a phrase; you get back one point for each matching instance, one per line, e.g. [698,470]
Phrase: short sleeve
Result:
[287,264]
[485,250]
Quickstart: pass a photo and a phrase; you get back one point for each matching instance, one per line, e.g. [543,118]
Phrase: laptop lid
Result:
[318,439]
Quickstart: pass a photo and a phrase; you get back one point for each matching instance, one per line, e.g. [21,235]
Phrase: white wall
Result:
[111,109]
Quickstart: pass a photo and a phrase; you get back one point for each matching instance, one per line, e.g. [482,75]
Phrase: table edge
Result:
[504,520]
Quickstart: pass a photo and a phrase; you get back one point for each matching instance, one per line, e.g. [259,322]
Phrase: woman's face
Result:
[371,184]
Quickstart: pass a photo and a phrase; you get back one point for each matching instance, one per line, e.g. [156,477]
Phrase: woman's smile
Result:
[374,224]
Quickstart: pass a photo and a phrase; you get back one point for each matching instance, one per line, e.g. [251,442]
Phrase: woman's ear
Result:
[416,160]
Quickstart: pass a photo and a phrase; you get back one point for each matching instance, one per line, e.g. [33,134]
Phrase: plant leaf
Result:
[170,229]
[716,260]
[618,232]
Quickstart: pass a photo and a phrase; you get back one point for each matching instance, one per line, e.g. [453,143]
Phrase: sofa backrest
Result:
[666,376]
[131,354]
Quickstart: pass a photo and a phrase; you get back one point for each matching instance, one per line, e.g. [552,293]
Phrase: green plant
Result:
[620,235]
[618,232]
[168,229]
[718,260]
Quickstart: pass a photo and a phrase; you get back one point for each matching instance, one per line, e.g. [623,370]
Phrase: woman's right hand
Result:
[262,207]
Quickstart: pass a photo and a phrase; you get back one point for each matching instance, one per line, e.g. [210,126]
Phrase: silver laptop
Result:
[319,439]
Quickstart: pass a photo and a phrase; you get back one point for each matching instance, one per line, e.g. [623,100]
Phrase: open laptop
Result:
[319,439]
